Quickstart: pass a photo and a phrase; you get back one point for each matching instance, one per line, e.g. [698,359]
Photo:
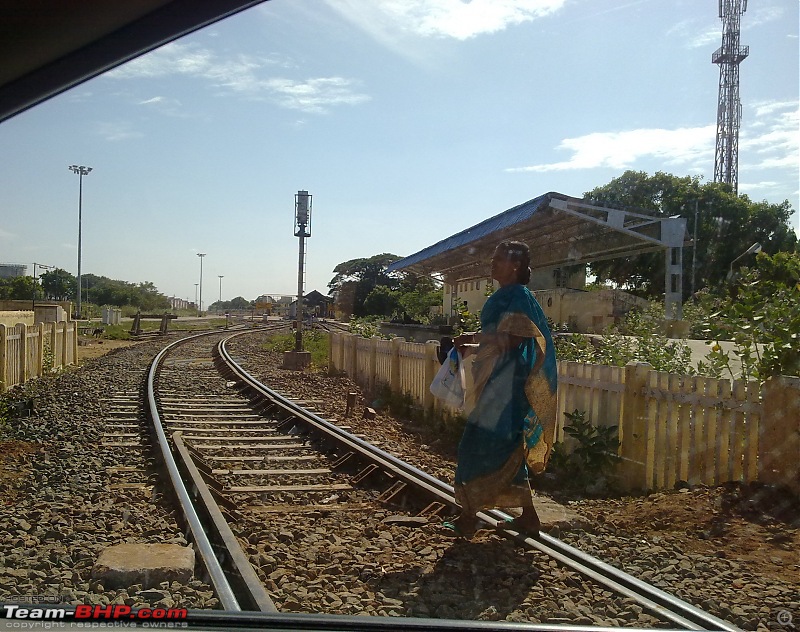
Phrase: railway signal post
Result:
[297,358]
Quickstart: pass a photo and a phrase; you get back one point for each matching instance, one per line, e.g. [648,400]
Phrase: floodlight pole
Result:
[200,305]
[80,171]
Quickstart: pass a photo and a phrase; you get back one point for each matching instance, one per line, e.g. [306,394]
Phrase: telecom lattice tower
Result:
[729,107]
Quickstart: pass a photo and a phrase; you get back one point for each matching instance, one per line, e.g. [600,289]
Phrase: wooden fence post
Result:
[39,350]
[64,349]
[24,370]
[372,365]
[3,360]
[779,433]
[332,338]
[352,370]
[52,332]
[633,427]
[431,369]
[394,365]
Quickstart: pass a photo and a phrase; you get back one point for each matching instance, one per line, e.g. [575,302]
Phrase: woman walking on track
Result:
[510,428]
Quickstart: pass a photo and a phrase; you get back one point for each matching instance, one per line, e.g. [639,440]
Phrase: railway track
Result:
[257,473]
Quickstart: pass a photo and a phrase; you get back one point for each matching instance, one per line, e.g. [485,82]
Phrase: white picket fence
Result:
[28,351]
[671,427]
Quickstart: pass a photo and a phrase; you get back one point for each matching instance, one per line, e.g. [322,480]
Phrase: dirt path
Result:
[97,347]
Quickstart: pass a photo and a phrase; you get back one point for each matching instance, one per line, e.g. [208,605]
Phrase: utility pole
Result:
[200,306]
[80,171]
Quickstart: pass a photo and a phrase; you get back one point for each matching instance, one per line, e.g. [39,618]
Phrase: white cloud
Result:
[244,75]
[4,234]
[711,34]
[389,20]
[172,59]
[314,95]
[770,141]
[165,105]
[778,141]
[116,131]
[622,150]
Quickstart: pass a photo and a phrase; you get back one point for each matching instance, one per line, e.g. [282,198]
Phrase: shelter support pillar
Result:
[673,283]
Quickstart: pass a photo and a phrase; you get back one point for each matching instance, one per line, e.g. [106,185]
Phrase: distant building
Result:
[314,304]
[11,270]
[176,303]
[273,305]
[474,292]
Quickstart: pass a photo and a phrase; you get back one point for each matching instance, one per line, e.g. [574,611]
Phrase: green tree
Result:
[17,288]
[239,303]
[355,279]
[382,301]
[58,285]
[418,294]
[727,225]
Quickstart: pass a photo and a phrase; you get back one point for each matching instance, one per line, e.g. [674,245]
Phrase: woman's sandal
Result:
[453,530]
[514,525]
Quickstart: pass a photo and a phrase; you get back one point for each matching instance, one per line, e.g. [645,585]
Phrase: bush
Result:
[589,467]
[640,342]
[366,327]
[762,317]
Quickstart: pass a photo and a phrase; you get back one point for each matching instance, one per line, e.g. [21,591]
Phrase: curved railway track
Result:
[240,455]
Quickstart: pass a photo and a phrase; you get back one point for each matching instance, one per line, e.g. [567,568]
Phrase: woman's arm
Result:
[467,338]
[468,343]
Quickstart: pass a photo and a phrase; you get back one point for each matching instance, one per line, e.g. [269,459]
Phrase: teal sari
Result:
[511,428]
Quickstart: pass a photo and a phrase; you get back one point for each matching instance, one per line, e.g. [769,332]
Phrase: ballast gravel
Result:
[59,508]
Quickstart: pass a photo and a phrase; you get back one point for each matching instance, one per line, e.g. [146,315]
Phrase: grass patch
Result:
[317,342]
[117,332]
[122,331]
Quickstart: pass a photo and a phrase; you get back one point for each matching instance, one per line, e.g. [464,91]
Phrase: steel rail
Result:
[225,593]
[220,582]
[658,601]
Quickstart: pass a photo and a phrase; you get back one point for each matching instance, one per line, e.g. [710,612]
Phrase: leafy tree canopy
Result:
[363,288]
[382,301]
[371,270]
[238,303]
[58,285]
[355,279]
[16,288]
[727,225]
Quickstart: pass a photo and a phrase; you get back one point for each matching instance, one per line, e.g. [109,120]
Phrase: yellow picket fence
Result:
[671,427]
[28,351]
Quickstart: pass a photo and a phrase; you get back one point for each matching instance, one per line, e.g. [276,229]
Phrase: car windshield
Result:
[436,312]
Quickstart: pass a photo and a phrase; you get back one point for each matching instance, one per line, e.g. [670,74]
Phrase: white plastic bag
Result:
[448,385]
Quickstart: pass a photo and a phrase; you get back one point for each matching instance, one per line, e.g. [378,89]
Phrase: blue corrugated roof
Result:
[505,219]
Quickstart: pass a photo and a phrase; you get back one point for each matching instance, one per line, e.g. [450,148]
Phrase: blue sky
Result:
[407,121]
